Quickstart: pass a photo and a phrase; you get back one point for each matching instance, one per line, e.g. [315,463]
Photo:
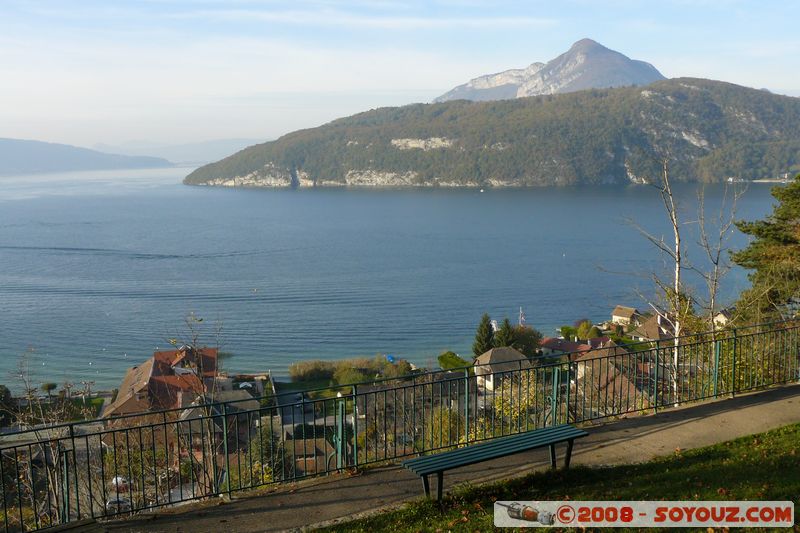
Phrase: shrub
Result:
[450,360]
[311,370]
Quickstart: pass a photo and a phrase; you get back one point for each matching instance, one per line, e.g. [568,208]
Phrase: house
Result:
[310,456]
[558,346]
[723,318]
[168,380]
[625,316]
[207,417]
[609,381]
[655,328]
[490,366]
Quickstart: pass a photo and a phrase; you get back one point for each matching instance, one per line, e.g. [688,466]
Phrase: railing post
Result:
[355,426]
[466,405]
[554,395]
[717,344]
[656,383]
[569,391]
[340,433]
[64,483]
[733,365]
[225,448]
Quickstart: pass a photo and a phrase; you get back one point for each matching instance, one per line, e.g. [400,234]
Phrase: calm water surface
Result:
[98,269]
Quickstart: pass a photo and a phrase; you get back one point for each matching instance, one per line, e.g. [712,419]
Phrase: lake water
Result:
[98,269]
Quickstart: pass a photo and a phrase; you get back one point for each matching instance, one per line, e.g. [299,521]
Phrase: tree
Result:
[8,406]
[49,388]
[505,335]
[484,336]
[583,329]
[527,340]
[773,256]
[450,360]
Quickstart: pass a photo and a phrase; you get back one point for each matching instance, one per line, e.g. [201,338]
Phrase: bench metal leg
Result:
[553,456]
[440,482]
[426,486]
[569,453]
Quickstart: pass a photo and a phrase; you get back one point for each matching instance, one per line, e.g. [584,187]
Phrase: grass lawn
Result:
[759,467]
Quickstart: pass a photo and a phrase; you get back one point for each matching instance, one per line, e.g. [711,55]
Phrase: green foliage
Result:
[773,258]
[8,406]
[594,332]
[568,332]
[583,330]
[505,335]
[348,371]
[345,374]
[484,336]
[450,360]
[311,370]
[444,428]
[712,129]
[49,387]
[525,339]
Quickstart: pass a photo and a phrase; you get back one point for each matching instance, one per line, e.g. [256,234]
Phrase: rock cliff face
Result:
[586,65]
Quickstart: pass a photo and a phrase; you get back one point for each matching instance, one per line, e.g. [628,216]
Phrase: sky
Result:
[177,71]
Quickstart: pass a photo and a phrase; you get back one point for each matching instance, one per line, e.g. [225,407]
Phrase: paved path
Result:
[635,439]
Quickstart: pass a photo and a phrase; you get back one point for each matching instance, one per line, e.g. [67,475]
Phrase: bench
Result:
[493,449]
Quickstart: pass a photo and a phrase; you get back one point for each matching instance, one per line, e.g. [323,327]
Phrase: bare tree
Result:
[713,240]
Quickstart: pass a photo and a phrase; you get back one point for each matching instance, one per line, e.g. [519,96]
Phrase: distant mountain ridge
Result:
[711,130]
[586,65]
[200,152]
[19,156]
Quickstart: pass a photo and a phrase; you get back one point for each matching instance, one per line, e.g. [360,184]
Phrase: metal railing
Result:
[68,472]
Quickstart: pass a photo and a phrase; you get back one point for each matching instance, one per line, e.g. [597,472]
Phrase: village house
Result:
[610,380]
[723,318]
[655,328]
[167,380]
[625,316]
[491,366]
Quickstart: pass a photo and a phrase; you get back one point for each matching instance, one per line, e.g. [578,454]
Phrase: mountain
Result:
[586,65]
[186,153]
[32,157]
[711,130]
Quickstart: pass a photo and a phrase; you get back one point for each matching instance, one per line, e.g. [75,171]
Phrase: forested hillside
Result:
[710,130]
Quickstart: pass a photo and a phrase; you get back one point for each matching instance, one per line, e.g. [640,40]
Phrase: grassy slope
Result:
[758,467]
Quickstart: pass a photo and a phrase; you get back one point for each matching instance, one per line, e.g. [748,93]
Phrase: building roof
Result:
[136,380]
[563,345]
[624,312]
[503,359]
[164,380]
[652,329]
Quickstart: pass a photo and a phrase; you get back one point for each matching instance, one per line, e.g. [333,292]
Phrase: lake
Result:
[98,269]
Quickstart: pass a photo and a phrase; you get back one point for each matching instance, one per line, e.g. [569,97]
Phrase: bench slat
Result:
[493,449]
[521,440]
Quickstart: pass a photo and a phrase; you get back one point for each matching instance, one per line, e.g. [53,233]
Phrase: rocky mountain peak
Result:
[586,65]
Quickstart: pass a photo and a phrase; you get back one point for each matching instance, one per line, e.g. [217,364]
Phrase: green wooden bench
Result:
[493,449]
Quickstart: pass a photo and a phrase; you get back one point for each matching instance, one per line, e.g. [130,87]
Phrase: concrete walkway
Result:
[339,497]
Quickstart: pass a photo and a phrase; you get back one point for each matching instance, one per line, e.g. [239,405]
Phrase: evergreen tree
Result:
[506,335]
[484,337]
[773,256]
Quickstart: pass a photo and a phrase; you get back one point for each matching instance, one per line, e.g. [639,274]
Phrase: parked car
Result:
[118,505]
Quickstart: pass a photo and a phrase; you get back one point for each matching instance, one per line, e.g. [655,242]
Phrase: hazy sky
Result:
[90,71]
